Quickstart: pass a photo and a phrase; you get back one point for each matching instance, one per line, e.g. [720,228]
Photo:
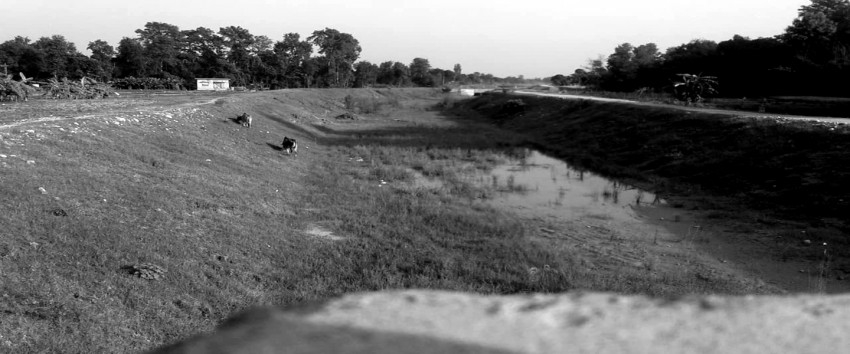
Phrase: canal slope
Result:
[781,180]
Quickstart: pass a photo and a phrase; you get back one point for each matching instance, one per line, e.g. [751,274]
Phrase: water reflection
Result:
[539,180]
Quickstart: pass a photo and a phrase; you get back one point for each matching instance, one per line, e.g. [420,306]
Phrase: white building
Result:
[213,84]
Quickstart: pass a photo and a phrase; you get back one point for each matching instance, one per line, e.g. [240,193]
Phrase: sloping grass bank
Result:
[236,223]
[788,166]
[793,170]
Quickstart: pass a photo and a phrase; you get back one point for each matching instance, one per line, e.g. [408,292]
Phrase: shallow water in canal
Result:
[552,186]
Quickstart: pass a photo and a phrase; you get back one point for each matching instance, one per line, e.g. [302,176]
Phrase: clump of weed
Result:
[514,106]
[153,161]
[448,102]
[548,279]
[367,105]
[147,271]
[391,173]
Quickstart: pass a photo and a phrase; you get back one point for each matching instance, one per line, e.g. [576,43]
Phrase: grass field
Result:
[173,182]
[104,188]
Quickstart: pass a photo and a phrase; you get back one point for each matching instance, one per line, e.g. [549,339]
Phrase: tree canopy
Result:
[163,52]
[811,57]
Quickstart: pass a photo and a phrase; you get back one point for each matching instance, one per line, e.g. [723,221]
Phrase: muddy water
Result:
[551,186]
[547,189]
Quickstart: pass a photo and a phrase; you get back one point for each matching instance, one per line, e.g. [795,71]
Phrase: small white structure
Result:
[213,84]
[467,92]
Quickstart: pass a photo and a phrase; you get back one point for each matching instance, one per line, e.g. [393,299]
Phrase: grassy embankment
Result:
[793,105]
[786,174]
[237,223]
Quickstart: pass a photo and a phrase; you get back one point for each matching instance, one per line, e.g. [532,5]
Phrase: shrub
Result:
[514,106]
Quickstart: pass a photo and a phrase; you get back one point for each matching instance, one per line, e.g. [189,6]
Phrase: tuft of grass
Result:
[370,105]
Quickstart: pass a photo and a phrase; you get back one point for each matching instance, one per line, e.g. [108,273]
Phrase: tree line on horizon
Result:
[812,57]
[162,54]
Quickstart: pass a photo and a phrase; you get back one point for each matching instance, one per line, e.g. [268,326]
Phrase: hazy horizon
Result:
[532,38]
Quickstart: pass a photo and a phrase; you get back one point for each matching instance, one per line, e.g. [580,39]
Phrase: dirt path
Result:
[130,105]
[692,109]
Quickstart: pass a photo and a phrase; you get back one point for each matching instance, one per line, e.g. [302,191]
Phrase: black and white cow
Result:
[245,119]
[289,145]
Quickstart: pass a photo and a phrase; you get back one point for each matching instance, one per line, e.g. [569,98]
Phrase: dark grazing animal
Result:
[289,145]
[245,119]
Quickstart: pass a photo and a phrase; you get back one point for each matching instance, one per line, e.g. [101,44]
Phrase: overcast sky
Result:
[534,38]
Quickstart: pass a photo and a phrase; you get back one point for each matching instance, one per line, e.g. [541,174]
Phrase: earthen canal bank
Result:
[774,188]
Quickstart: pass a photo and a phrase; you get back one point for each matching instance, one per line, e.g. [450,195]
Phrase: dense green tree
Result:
[339,52]
[365,74]
[204,54]
[21,56]
[440,77]
[56,54]
[595,72]
[401,74]
[165,52]
[311,68]
[385,73]
[698,55]
[238,42]
[622,68]
[754,67]
[102,53]
[559,80]
[646,55]
[162,45]
[419,72]
[821,32]
[201,40]
[131,59]
[292,53]
[820,39]
[449,76]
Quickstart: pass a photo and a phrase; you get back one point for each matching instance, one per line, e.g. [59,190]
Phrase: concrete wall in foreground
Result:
[447,322]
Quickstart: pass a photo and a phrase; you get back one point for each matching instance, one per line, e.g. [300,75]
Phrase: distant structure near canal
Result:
[213,84]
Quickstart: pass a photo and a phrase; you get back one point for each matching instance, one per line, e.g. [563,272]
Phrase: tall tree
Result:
[697,57]
[339,52]
[292,53]
[103,53]
[162,44]
[646,55]
[56,53]
[448,76]
[238,42]
[755,67]
[821,32]
[365,74]
[621,67]
[201,40]
[400,74]
[595,72]
[205,54]
[385,73]
[559,80]
[419,72]
[131,59]
[20,56]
